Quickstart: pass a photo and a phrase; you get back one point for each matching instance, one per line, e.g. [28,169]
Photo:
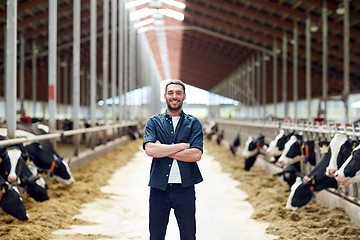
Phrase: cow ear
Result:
[4,188]
[26,158]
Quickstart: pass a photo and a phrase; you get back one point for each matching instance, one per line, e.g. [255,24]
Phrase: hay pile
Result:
[268,196]
[65,201]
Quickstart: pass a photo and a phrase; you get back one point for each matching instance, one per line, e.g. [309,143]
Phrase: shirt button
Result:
[172,132]
[167,175]
[169,165]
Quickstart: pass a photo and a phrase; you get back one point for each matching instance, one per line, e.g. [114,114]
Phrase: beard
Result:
[174,108]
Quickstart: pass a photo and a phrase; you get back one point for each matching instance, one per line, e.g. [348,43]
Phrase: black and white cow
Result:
[14,168]
[43,154]
[296,150]
[210,130]
[349,172]
[133,132]
[220,137]
[302,191]
[253,147]
[276,146]
[33,183]
[290,173]
[50,161]
[11,201]
[235,144]
[342,144]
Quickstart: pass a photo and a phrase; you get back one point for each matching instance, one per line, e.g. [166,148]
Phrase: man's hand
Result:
[185,145]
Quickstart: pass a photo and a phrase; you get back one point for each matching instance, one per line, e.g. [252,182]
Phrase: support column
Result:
[126,64]
[105,61]
[10,70]
[66,86]
[93,67]
[121,57]
[264,88]
[76,71]
[113,56]
[275,76]
[22,71]
[308,65]
[52,63]
[346,90]
[325,56]
[258,84]
[248,89]
[34,76]
[284,73]
[252,87]
[295,71]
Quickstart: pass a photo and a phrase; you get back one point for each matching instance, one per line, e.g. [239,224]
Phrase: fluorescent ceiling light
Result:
[143,23]
[145,12]
[314,28]
[145,29]
[175,3]
[141,13]
[135,3]
[171,13]
[340,11]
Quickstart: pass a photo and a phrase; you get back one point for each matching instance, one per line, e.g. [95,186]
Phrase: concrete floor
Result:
[222,212]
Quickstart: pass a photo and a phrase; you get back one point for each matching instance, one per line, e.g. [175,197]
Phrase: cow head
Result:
[32,182]
[350,171]
[301,193]
[276,146]
[339,150]
[220,137]
[250,148]
[9,167]
[290,173]
[36,188]
[292,151]
[11,202]
[50,161]
[62,172]
[235,144]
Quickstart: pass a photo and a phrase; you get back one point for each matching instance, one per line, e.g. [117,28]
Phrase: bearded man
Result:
[174,140]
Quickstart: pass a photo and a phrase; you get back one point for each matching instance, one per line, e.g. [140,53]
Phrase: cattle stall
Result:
[345,197]
[79,154]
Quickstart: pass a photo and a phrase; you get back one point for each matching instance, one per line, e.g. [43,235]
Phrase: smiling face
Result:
[174,97]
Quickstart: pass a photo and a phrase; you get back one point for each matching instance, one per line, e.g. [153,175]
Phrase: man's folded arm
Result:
[158,150]
[188,155]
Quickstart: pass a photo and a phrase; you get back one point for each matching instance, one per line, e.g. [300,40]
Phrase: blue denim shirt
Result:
[188,130]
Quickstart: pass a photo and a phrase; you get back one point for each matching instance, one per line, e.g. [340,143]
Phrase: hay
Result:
[268,196]
[66,201]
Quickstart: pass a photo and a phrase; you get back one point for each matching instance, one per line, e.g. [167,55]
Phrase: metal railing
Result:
[60,134]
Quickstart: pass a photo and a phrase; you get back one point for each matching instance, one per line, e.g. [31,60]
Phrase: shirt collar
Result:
[169,116]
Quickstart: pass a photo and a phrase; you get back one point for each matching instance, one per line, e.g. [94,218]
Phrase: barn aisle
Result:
[222,212]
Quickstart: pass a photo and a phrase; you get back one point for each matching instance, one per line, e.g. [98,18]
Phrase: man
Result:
[175,141]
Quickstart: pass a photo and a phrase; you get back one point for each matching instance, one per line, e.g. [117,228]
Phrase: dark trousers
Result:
[182,200]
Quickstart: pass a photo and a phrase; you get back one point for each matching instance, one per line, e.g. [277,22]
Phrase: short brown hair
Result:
[176,81]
